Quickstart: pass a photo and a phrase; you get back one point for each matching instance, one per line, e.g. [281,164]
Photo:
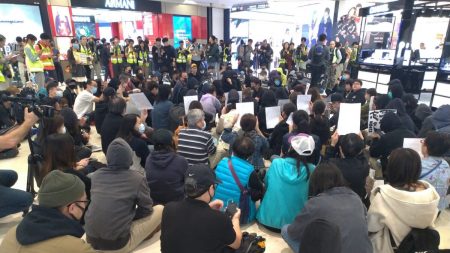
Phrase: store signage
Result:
[120,4]
[82,19]
[379,9]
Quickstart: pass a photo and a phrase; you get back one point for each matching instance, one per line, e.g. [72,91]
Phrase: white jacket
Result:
[398,211]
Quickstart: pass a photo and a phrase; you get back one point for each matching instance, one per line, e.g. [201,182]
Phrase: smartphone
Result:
[231,209]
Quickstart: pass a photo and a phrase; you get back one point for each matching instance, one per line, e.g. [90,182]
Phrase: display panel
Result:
[442,89]
[182,29]
[84,26]
[428,38]
[439,101]
[20,20]
[384,78]
[62,21]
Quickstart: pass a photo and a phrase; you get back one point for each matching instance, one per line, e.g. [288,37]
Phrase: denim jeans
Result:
[12,200]
[294,245]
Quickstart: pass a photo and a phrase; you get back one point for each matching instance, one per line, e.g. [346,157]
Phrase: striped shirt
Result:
[195,145]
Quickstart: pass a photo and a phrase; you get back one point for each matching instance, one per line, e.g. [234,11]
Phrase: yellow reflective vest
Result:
[47,61]
[85,52]
[143,58]
[2,77]
[131,56]
[116,55]
[181,57]
[35,66]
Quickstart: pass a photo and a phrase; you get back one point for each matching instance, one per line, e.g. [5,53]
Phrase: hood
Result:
[292,177]
[409,206]
[119,155]
[161,159]
[70,118]
[46,223]
[397,104]
[441,117]
[390,122]
[423,111]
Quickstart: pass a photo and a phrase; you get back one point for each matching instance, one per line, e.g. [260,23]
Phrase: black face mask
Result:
[81,220]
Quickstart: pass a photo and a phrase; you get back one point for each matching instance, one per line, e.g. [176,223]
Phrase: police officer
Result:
[34,64]
[182,57]
[116,57]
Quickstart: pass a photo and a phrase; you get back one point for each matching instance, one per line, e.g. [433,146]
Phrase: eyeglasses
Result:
[86,202]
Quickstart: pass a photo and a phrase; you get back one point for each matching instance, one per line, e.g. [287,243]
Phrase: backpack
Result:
[419,240]
[344,55]
[252,243]
[318,53]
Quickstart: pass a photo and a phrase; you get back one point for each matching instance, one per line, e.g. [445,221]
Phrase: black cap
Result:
[199,177]
[337,97]
[162,137]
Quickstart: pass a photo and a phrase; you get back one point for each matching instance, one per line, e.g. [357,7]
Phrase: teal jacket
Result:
[228,190]
[286,194]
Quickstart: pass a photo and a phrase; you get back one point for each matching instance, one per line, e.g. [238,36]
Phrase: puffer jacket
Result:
[228,190]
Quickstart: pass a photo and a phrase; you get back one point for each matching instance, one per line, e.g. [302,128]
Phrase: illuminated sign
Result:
[379,8]
[120,4]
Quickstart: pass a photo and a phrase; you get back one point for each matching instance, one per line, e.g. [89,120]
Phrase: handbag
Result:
[244,202]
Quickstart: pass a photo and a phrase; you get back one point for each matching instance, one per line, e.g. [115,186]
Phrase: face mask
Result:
[59,93]
[63,130]
[76,46]
[390,94]
[94,90]
[277,82]
[141,128]
[204,125]
[343,78]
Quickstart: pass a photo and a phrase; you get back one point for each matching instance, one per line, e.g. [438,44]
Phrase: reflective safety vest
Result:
[225,55]
[47,60]
[2,77]
[181,58]
[282,59]
[335,58]
[354,55]
[35,66]
[143,58]
[85,52]
[116,55]
[131,56]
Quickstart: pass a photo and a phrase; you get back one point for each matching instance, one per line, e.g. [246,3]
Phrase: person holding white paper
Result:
[349,118]
[319,123]
[272,116]
[268,100]
[282,128]
[435,168]
[395,132]
[160,112]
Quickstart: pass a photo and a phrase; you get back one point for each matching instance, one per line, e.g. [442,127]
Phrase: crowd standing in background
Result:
[195,153]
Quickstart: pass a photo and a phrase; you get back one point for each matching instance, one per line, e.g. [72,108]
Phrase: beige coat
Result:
[62,244]
[398,211]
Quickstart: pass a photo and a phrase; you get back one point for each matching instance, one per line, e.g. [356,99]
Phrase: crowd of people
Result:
[178,166]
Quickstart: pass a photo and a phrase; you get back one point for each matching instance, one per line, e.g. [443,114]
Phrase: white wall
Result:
[217,22]
[183,9]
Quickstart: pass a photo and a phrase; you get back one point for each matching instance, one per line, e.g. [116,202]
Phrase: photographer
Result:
[14,200]
[6,118]
[5,72]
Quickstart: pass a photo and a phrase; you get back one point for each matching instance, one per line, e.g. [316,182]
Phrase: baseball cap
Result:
[199,177]
[303,144]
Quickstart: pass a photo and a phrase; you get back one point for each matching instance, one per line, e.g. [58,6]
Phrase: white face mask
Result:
[141,128]
[59,93]
[204,125]
[63,130]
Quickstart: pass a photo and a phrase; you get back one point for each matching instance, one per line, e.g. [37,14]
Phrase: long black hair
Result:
[127,130]
[325,176]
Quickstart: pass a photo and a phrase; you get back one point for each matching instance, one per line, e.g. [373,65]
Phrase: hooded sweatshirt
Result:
[46,230]
[165,171]
[115,192]
[440,121]
[398,211]
[407,122]
[286,194]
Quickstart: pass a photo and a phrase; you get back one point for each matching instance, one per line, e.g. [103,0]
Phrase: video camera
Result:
[27,99]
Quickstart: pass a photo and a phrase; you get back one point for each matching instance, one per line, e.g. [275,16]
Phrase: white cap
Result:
[303,144]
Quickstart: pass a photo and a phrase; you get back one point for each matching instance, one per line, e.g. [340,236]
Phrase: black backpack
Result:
[252,243]
[317,55]
[419,240]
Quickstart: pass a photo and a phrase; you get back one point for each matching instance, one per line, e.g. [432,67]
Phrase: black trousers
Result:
[316,72]
[117,69]
[88,72]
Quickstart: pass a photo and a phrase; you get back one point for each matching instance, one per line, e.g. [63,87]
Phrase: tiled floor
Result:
[274,242]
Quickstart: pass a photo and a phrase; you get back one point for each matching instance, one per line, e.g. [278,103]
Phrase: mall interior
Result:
[279,126]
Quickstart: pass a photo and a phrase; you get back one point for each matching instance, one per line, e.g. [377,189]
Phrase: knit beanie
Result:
[119,155]
[60,189]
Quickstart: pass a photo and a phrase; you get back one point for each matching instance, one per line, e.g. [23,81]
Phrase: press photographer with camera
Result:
[202,227]
[13,200]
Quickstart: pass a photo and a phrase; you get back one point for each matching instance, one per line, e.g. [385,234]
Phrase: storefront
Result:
[405,40]
[28,17]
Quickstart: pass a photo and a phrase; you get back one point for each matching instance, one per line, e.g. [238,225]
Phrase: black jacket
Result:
[320,127]
[395,133]
[357,97]
[276,138]
[165,173]
[101,109]
[110,128]
[139,146]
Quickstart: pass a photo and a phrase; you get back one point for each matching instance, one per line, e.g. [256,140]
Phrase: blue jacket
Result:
[160,114]
[286,194]
[228,189]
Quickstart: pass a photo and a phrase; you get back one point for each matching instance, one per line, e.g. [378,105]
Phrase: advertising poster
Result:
[84,26]
[349,22]
[62,21]
[312,21]
[20,20]
[182,29]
